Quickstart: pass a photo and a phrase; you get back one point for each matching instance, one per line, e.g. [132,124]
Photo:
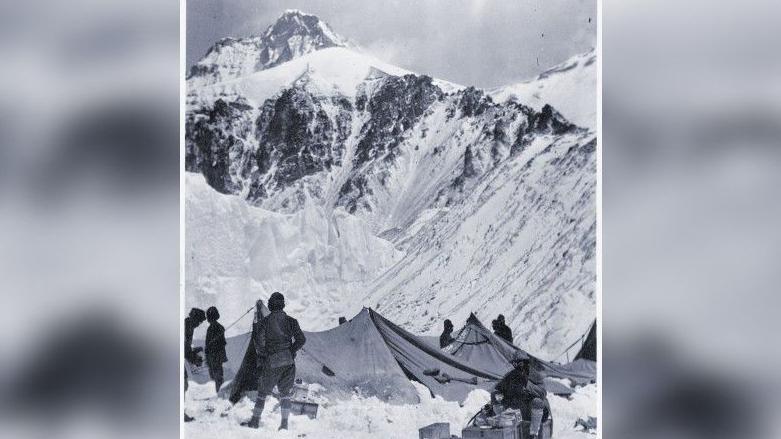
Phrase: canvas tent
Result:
[588,351]
[372,356]
[355,351]
[475,344]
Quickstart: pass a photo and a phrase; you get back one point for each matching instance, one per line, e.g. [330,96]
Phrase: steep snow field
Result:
[365,418]
[522,244]
[237,253]
[570,87]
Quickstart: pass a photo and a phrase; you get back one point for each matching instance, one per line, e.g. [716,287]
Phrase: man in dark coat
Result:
[215,347]
[523,388]
[196,317]
[502,330]
[447,335]
[277,338]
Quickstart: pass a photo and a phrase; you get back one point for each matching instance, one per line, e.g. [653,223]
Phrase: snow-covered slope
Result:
[425,198]
[237,253]
[336,69]
[570,87]
[522,243]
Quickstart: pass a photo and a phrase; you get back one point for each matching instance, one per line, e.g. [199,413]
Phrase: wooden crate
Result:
[440,430]
[475,432]
[547,429]
[304,408]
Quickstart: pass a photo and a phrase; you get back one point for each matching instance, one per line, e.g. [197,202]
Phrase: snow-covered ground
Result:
[367,418]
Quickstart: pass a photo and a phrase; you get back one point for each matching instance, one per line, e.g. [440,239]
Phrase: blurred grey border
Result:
[691,246]
[89,212]
[89,218]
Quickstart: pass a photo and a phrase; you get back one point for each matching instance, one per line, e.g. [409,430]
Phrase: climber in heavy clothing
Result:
[277,338]
[523,388]
[215,347]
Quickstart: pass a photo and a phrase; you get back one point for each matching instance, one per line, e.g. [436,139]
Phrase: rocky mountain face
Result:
[488,203]
[294,34]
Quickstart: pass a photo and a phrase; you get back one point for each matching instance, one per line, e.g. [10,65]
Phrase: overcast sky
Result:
[485,43]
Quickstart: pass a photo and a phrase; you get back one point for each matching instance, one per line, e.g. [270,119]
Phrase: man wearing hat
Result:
[277,338]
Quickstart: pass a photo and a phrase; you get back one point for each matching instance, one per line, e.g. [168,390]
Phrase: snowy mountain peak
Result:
[294,24]
[293,34]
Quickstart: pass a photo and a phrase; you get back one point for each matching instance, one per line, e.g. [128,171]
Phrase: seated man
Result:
[523,388]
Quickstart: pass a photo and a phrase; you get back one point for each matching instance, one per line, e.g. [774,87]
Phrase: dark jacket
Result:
[215,344]
[519,392]
[504,331]
[277,337]
[190,354]
[445,339]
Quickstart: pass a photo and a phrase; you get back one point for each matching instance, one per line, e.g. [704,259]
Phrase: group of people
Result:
[276,338]
[214,345]
[499,326]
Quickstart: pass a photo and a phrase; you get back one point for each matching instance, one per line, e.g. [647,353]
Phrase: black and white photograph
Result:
[390,219]
[431,219]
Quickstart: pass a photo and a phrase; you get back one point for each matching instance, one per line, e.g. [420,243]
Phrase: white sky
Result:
[485,43]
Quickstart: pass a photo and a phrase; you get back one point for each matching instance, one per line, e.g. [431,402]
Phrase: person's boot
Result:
[285,410]
[254,422]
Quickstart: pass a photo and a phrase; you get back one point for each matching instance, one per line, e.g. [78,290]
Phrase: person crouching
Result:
[523,388]
[277,338]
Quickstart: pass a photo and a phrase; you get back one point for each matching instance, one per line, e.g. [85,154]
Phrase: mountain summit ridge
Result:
[291,36]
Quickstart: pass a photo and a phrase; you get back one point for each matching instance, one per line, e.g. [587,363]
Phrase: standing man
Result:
[196,317]
[277,338]
[215,347]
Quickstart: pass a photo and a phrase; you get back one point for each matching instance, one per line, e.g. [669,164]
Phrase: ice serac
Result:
[486,199]
[237,253]
[294,34]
